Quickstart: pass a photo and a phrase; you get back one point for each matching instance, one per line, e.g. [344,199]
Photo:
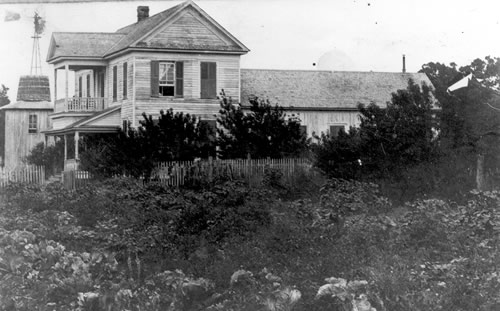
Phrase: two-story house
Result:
[179,58]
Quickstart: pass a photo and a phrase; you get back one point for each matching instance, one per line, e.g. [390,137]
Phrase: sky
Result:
[340,35]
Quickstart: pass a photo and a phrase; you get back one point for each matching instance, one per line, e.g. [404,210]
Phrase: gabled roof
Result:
[138,35]
[81,44]
[324,89]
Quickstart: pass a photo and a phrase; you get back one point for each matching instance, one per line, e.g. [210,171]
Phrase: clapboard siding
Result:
[204,111]
[320,121]
[227,79]
[18,142]
[187,31]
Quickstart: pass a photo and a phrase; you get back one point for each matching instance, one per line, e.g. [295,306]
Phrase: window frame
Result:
[212,93]
[32,123]
[342,126]
[177,84]
[168,83]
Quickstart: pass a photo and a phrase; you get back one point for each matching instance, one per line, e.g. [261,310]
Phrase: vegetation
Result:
[120,245]
[51,157]
[264,131]
[135,152]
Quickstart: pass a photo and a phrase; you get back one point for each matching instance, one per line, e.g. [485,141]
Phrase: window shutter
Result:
[80,86]
[88,86]
[125,84]
[115,77]
[179,79]
[155,77]
[208,80]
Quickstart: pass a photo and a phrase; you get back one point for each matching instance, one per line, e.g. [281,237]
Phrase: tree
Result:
[4,100]
[135,152]
[264,131]
[402,134]
[470,116]
[51,157]
[388,141]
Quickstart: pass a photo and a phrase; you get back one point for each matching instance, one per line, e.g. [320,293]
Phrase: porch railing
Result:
[81,104]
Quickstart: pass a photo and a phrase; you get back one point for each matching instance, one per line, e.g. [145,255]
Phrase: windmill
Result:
[36,60]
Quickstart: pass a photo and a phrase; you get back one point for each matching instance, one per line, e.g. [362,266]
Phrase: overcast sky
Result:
[353,35]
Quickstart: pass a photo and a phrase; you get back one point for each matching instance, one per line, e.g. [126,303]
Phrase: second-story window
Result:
[208,81]
[124,80]
[33,124]
[167,78]
[115,77]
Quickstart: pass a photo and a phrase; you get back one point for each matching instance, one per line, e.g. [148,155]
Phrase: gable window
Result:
[124,80]
[208,80]
[167,78]
[335,129]
[115,77]
[33,124]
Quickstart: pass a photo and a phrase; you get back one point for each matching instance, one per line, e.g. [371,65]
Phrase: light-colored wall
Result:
[18,142]
[228,76]
[320,121]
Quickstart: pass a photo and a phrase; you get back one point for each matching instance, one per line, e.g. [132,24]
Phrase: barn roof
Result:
[324,89]
[33,88]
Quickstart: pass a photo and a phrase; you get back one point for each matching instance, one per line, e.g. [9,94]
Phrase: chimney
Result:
[142,13]
[404,64]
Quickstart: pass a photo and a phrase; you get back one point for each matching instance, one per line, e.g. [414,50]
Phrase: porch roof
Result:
[104,121]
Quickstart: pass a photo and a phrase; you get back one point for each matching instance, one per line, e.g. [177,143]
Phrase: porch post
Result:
[77,137]
[55,84]
[65,148]
[66,69]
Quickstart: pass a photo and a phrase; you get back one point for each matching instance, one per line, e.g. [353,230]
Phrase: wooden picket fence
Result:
[32,174]
[178,173]
[75,179]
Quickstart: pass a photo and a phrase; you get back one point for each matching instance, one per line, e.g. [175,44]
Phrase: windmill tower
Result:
[26,118]
[36,60]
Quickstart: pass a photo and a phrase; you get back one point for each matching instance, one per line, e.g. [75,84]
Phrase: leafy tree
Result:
[339,156]
[402,134]
[470,116]
[4,100]
[388,141]
[51,156]
[264,131]
[135,152]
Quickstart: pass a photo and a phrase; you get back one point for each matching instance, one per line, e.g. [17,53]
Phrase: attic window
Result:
[167,78]
[33,124]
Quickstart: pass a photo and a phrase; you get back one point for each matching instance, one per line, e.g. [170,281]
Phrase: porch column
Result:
[65,148]
[77,137]
[66,70]
[55,84]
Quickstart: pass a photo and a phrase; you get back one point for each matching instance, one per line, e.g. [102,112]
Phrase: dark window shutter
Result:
[208,80]
[115,77]
[125,80]
[88,86]
[155,77]
[179,79]
[80,86]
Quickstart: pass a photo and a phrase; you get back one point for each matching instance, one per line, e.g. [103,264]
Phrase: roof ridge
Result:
[88,32]
[174,9]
